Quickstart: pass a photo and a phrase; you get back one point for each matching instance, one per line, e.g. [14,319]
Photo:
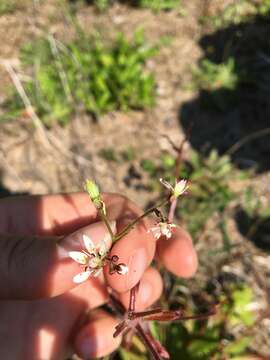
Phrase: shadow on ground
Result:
[235,118]
[256,229]
[5,192]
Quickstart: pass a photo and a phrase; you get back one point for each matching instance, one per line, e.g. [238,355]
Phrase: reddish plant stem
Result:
[178,163]
[132,298]
[136,319]
[117,305]
[172,211]
[130,226]
[148,343]
[120,328]
[165,316]
[146,313]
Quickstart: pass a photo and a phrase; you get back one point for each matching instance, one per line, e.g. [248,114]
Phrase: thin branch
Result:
[132,298]
[148,343]
[247,139]
[116,304]
[107,223]
[60,67]
[178,164]
[48,140]
[120,328]
[29,108]
[172,210]
[126,230]
[137,314]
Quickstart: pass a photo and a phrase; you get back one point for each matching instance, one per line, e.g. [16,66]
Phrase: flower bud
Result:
[94,193]
[122,269]
[92,189]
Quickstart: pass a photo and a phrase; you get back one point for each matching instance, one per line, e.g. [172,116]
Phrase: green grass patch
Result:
[193,340]
[210,191]
[155,5]
[201,340]
[87,75]
[218,81]
[10,6]
[159,5]
[238,12]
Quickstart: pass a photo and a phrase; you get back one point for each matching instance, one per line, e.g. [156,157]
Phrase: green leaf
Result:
[88,74]
[149,166]
[238,347]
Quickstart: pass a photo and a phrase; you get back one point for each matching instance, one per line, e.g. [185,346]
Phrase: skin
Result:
[44,315]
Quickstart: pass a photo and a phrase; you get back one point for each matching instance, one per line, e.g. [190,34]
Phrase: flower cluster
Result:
[94,258]
[162,228]
[178,189]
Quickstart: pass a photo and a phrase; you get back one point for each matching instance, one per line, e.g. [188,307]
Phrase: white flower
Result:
[93,258]
[179,188]
[162,229]
[122,269]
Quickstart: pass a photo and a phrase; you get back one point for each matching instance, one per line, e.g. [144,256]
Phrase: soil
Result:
[29,165]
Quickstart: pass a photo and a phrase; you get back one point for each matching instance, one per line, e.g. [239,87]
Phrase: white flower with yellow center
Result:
[93,258]
[162,229]
[178,189]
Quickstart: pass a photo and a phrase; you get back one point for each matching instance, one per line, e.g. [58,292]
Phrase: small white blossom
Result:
[162,229]
[179,188]
[122,269]
[93,258]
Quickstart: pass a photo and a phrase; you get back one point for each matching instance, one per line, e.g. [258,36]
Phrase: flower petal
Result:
[97,272]
[106,240]
[166,184]
[88,243]
[103,248]
[153,229]
[81,277]
[122,269]
[180,187]
[113,225]
[79,257]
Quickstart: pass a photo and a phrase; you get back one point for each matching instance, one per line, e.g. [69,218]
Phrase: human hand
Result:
[43,314]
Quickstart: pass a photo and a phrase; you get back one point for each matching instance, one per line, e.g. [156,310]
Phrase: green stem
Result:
[127,229]
[107,223]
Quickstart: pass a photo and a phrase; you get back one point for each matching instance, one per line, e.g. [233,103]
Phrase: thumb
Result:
[34,267]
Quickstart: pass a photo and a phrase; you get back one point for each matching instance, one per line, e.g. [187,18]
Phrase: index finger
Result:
[45,214]
[59,214]
[136,250]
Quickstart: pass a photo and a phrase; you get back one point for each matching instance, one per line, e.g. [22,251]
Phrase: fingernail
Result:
[136,266]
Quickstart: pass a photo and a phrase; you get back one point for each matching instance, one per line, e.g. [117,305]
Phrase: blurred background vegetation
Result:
[126,92]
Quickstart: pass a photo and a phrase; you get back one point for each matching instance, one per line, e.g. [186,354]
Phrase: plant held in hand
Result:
[95,257]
